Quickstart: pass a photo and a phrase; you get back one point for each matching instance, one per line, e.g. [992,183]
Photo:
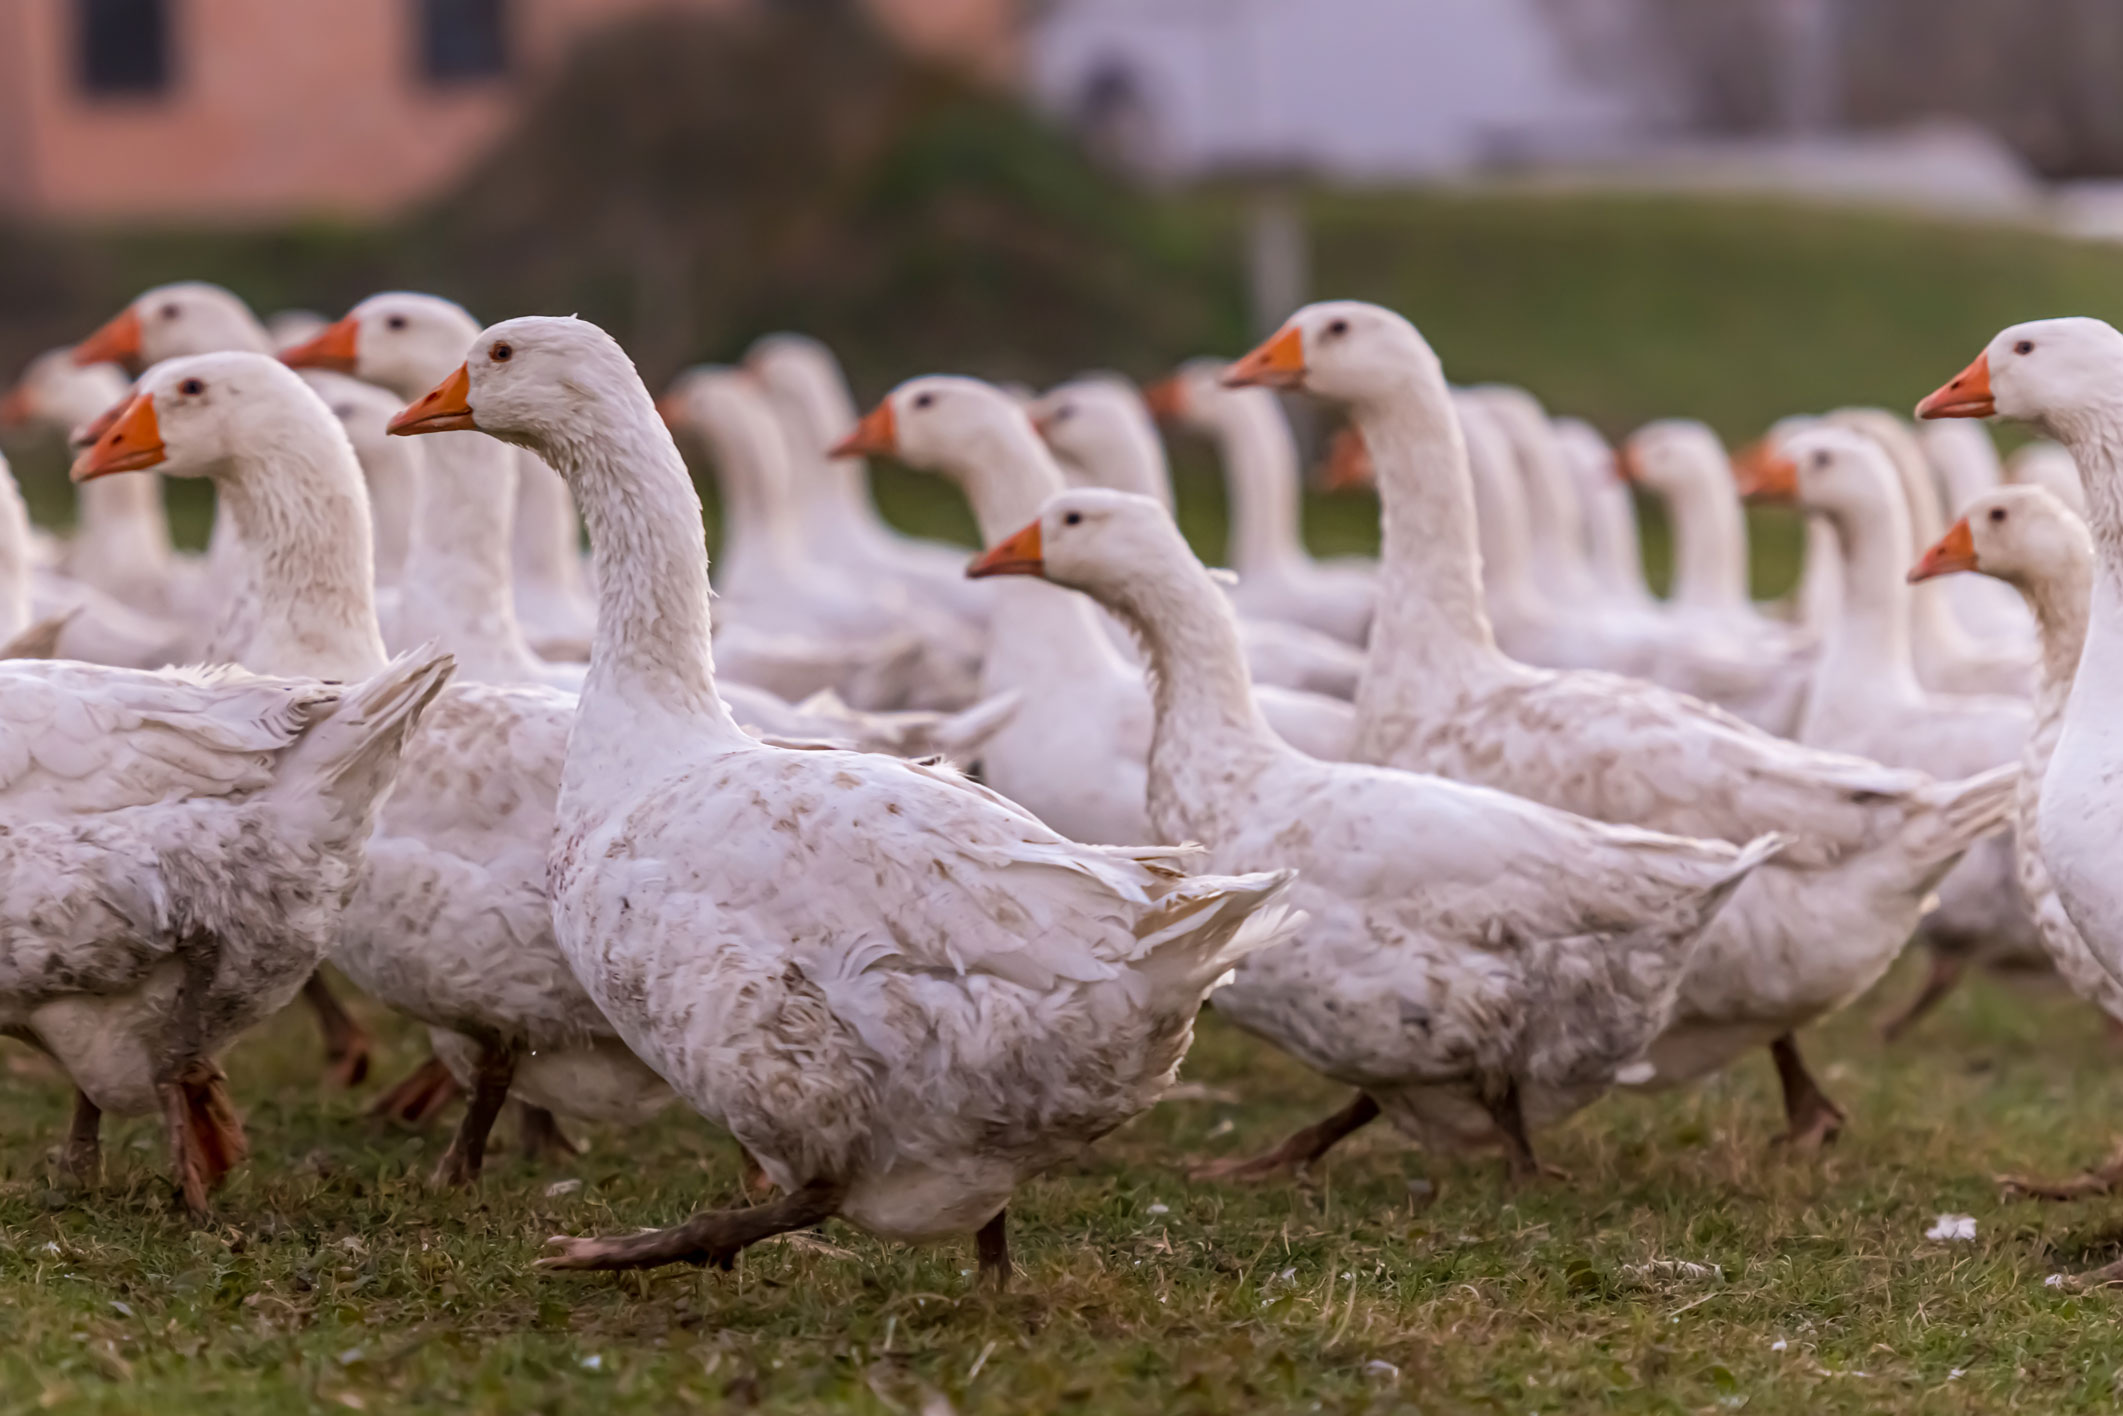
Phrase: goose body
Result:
[976,999]
[1475,964]
[1807,932]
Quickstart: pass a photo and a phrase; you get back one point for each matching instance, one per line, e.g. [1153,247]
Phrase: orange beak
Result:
[15,409]
[445,408]
[334,347]
[1967,396]
[1277,363]
[1348,463]
[1956,550]
[116,343]
[1020,555]
[1167,399]
[877,435]
[1770,477]
[132,443]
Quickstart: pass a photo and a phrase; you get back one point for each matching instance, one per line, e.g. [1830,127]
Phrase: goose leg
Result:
[1296,1153]
[2103,1179]
[1948,967]
[421,1097]
[347,1043]
[710,1237]
[462,1162]
[1812,1120]
[205,1137]
[1521,1163]
[82,1160]
[992,1245]
[538,1133]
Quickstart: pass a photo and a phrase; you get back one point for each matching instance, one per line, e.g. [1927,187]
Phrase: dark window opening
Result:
[124,46]
[463,39]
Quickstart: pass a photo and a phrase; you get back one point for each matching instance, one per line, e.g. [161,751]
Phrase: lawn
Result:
[1394,1281]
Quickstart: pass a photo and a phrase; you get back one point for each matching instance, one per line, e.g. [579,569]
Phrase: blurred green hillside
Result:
[692,184]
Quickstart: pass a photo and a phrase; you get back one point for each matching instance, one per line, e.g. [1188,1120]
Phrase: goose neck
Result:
[1261,481]
[458,562]
[1870,638]
[1710,542]
[123,522]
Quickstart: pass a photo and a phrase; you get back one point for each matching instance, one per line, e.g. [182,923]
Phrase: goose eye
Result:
[1338,327]
[1074,518]
[2025,346]
[924,400]
[395,322]
[1997,513]
[170,312]
[1820,459]
[500,353]
[191,388]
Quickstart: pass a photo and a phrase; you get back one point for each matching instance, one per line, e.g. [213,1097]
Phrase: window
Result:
[463,39]
[124,46]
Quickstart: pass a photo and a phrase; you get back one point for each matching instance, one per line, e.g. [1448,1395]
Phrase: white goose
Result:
[1278,578]
[1475,964]
[2066,377]
[553,600]
[1617,556]
[451,923]
[391,468]
[973,1000]
[1101,432]
[771,580]
[1967,464]
[1865,699]
[1074,755]
[2025,538]
[2044,464]
[176,854]
[811,398]
[1806,933]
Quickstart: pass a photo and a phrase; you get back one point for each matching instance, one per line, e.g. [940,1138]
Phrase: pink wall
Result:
[312,107]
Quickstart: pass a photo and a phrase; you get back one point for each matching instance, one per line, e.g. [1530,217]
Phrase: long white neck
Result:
[832,493]
[1431,637]
[1209,732]
[124,524]
[14,555]
[546,544]
[301,518]
[1505,542]
[1037,630]
[1709,540]
[1554,517]
[1819,593]
[1261,480]
[457,586]
[1868,643]
[650,693]
[762,533]
[2060,596]
[1966,458]
[1617,555]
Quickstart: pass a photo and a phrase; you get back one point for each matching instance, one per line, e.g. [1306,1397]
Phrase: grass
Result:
[1395,1282]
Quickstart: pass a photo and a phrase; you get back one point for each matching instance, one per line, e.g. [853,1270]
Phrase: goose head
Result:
[404,341]
[194,416]
[1195,397]
[57,392]
[1105,543]
[171,321]
[552,383]
[804,382]
[944,423]
[2051,373]
[1671,455]
[2020,535]
[1833,472]
[1101,430]
[1345,351]
[726,408]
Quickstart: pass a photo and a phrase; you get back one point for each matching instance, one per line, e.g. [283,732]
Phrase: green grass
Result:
[332,1277]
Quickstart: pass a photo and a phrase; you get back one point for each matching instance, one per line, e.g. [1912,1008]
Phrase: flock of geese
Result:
[1480,829]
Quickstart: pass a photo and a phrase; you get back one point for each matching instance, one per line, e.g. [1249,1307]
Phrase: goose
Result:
[1806,933]
[1735,656]
[1949,659]
[457,588]
[1074,755]
[1277,577]
[902,994]
[177,851]
[1967,464]
[810,396]
[1102,434]
[769,577]
[553,600]
[450,923]
[2028,539]
[1866,700]
[2064,377]
[2042,463]
[1474,964]
[391,470]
